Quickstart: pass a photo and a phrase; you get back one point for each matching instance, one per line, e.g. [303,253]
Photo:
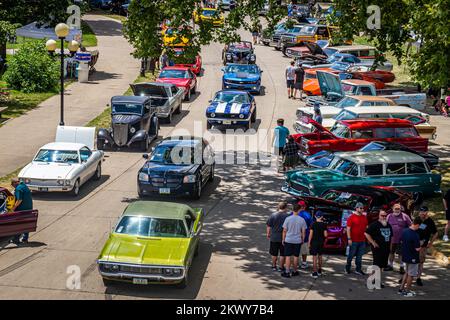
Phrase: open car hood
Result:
[317,126]
[330,84]
[148,89]
[314,48]
[84,135]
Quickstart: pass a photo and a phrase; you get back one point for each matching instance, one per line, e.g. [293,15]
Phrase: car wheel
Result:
[194,89]
[76,188]
[265,43]
[197,193]
[253,118]
[197,249]
[211,175]
[98,172]
[168,119]
[187,97]
[140,194]
[107,282]
[100,144]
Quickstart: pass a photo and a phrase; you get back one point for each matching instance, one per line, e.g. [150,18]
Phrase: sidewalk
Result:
[116,69]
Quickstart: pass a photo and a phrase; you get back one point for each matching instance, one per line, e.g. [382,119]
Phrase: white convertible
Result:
[66,164]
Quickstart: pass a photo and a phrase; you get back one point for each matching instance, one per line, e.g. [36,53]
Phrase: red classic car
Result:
[350,135]
[337,204]
[14,223]
[195,65]
[182,77]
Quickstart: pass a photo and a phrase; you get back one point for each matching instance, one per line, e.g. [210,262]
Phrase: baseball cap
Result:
[319,214]
[301,203]
[424,208]
[359,205]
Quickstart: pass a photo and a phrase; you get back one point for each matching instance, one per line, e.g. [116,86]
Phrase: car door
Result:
[194,79]
[177,93]
[145,122]
[88,164]
[205,167]
[190,218]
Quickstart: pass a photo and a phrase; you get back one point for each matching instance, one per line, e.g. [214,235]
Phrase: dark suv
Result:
[133,121]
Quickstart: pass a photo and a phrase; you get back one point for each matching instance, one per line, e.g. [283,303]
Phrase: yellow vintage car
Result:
[171,39]
[209,15]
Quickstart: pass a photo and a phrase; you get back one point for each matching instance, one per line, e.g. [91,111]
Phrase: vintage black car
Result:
[133,121]
[179,165]
[239,52]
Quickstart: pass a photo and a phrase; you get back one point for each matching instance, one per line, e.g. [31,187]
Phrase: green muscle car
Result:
[400,169]
[153,242]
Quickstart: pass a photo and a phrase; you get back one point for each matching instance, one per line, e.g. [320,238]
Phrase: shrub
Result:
[31,69]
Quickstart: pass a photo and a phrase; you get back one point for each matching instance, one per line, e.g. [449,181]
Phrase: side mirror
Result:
[261,71]
[223,69]
[107,105]
[209,101]
[145,156]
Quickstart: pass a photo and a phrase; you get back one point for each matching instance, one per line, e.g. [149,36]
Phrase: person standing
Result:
[290,79]
[427,235]
[293,234]
[316,241]
[399,221]
[379,235]
[446,202]
[290,151]
[279,139]
[164,60]
[304,250]
[23,202]
[410,256]
[356,227]
[298,83]
[275,234]
[317,115]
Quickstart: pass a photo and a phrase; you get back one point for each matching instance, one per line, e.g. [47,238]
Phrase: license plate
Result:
[164,190]
[226,121]
[43,189]
[140,281]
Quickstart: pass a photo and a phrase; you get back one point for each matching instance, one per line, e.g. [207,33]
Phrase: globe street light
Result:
[62,31]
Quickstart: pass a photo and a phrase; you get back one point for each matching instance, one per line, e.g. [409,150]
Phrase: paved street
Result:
[233,262]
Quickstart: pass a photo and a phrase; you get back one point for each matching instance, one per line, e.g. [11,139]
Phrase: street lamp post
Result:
[61,31]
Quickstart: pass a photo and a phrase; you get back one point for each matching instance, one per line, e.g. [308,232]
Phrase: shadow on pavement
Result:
[108,27]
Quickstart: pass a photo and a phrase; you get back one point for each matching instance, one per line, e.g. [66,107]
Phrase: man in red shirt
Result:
[356,227]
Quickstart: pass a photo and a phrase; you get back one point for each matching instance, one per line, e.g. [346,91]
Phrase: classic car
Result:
[195,64]
[166,97]
[282,31]
[66,164]
[362,52]
[264,9]
[175,38]
[226,4]
[177,166]
[306,51]
[242,77]
[231,108]
[348,58]
[338,203]
[209,15]
[153,243]
[399,169]
[267,33]
[133,121]
[350,135]
[14,223]
[334,90]
[239,52]
[323,158]
[419,119]
[182,77]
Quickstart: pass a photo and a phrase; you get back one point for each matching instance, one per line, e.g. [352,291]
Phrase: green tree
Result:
[32,69]
[7,30]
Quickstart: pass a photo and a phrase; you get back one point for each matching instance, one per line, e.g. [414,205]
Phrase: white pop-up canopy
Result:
[45,32]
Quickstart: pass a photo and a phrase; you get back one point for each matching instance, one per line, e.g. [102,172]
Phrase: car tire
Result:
[98,172]
[76,188]
[178,110]
[197,249]
[197,192]
[187,97]
[100,144]
[208,125]
[265,43]
[107,282]
[194,89]
[140,194]
[212,174]
[168,119]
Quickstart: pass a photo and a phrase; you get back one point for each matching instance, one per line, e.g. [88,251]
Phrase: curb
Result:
[440,257]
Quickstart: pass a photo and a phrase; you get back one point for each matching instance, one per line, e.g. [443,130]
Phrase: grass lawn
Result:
[5,181]
[103,120]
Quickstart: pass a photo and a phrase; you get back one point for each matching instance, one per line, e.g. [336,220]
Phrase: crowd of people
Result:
[298,232]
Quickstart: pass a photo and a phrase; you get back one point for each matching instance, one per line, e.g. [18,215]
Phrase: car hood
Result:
[125,118]
[326,111]
[145,250]
[152,167]
[308,176]
[238,76]
[228,108]
[330,84]
[47,170]
[176,81]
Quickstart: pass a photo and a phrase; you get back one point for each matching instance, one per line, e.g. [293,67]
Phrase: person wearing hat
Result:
[356,228]
[316,241]
[427,235]
[317,115]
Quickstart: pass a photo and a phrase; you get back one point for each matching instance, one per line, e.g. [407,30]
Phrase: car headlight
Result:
[189,179]
[241,116]
[177,272]
[60,182]
[132,130]
[67,182]
[212,115]
[252,58]
[228,56]
[168,271]
[143,176]
[115,267]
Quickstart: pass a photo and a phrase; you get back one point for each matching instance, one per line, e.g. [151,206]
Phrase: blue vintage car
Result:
[242,77]
[231,108]
[177,166]
[400,169]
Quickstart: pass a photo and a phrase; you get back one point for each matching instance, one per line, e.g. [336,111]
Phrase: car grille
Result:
[140,269]
[293,53]
[166,182]
[42,182]
[240,82]
[227,115]
[301,113]
[120,131]
[276,38]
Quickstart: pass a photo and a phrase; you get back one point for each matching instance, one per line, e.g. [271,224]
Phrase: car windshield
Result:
[131,108]
[329,52]
[340,130]
[60,156]
[241,45]
[249,68]
[373,146]
[344,166]
[345,115]
[175,155]
[177,74]
[231,97]
[308,30]
[346,198]
[209,13]
[151,227]
[346,102]
[349,89]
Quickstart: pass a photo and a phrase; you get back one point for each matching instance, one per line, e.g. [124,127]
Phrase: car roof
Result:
[376,157]
[233,91]
[70,146]
[352,47]
[357,82]
[183,68]
[367,124]
[181,141]
[383,109]
[370,98]
[135,99]
[157,209]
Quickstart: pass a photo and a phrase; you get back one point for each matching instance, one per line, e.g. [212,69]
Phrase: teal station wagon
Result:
[399,169]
